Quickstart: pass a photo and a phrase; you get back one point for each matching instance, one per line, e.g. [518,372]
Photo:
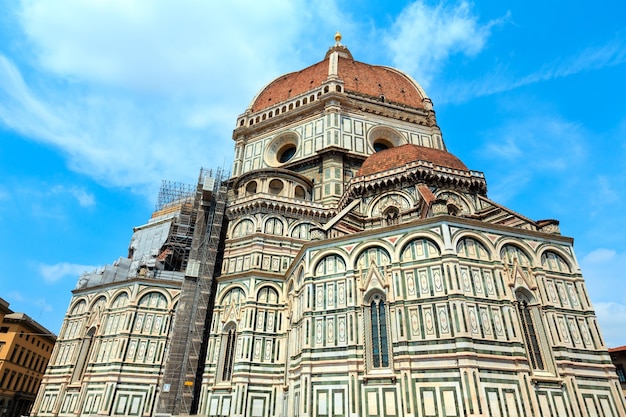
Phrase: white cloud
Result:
[136,92]
[500,79]
[84,198]
[599,256]
[188,46]
[15,296]
[611,318]
[53,273]
[423,37]
[531,146]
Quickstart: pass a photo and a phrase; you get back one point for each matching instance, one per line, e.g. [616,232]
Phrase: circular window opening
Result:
[276,186]
[286,153]
[381,145]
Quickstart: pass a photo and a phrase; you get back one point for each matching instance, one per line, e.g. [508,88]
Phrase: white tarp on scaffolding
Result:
[144,248]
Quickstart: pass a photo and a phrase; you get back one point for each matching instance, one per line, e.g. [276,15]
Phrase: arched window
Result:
[302,231]
[234,296]
[419,249]
[391,216]
[552,261]
[267,295]
[153,300]
[379,255]
[79,307]
[510,253]
[229,341]
[378,349]
[251,188]
[530,321]
[83,355]
[120,301]
[472,248]
[331,264]
[274,226]
[299,193]
[243,228]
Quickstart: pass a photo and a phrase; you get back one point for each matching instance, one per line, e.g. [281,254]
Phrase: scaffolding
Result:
[176,200]
[182,376]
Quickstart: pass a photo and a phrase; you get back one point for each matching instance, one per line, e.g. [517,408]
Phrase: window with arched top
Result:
[302,231]
[510,253]
[529,315]
[273,226]
[251,188]
[299,193]
[79,308]
[554,262]
[377,254]
[86,346]
[377,332]
[227,356]
[98,305]
[472,248]
[419,249]
[391,216]
[267,295]
[243,228]
[234,296]
[330,264]
[153,300]
[120,301]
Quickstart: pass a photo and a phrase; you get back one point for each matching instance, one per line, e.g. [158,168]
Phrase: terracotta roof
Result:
[617,349]
[291,85]
[401,155]
[359,78]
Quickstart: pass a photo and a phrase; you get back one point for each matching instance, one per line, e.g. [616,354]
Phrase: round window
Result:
[286,153]
[381,145]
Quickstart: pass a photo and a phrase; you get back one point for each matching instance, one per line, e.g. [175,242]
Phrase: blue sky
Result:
[101,100]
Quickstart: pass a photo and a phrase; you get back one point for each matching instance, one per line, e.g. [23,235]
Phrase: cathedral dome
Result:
[360,79]
[401,155]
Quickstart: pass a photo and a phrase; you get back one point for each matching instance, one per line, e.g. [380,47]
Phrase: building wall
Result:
[110,351]
[25,348]
[397,293]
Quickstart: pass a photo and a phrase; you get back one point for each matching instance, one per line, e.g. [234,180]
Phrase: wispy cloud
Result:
[83,197]
[129,92]
[502,79]
[535,144]
[43,305]
[15,296]
[423,37]
[56,272]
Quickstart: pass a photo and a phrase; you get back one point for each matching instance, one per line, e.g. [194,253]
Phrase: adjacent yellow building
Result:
[25,348]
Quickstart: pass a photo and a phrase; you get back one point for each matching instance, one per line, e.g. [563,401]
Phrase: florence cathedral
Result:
[348,265]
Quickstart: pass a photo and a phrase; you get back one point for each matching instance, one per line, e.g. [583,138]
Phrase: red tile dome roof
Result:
[357,77]
[401,155]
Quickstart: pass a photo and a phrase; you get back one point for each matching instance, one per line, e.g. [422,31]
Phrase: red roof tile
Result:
[360,78]
[399,156]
